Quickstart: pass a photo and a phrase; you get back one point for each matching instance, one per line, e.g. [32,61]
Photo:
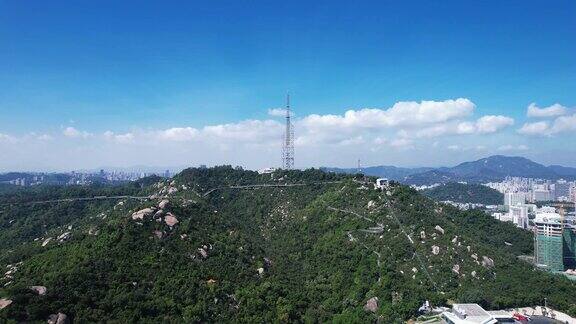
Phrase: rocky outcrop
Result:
[371,305]
[170,219]
[203,252]
[163,204]
[456,269]
[46,241]
[64,237]
[5,303]
[439,229]
[487,262]
[435,249]
[143,213]
[40,290]
[59,318]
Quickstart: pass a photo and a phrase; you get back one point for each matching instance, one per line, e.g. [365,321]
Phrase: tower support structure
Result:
[288,141]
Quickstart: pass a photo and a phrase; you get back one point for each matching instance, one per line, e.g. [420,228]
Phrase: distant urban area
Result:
[78,177]
[545,207]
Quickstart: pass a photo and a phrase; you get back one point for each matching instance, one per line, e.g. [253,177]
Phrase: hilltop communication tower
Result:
[288,142]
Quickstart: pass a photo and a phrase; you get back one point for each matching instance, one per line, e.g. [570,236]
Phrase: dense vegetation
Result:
[314,252]
[465,193]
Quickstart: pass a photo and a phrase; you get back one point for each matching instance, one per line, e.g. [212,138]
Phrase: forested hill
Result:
[465,193]
[228,245]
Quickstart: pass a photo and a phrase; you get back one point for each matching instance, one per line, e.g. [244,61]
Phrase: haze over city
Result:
[412,84]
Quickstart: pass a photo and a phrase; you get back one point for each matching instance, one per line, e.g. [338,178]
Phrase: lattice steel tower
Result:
[288,143]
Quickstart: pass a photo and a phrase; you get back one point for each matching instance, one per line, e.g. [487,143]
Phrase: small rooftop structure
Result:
[468,314]
[382,183]
[266,170]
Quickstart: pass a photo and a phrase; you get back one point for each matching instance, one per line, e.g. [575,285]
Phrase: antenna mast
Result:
[288,143]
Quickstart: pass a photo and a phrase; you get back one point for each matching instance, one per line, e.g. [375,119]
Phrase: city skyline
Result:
[413,84]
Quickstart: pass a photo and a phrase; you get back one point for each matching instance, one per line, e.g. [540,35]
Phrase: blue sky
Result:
[144,69]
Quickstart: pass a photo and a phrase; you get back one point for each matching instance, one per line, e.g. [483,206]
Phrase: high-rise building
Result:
[515,198]
[548,247]
[519,215]
[555,245]
[562,190]
[542,194]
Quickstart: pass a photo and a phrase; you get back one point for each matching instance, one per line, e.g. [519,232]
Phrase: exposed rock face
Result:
[64,236]
[4,303]
[455,240]
[371,204]
[371,305]
[59,318]
[172,190]
[163,204]
[203,252]
[456,268]
[260,271]
[422,235]
[170,220]
[46,241]
[439,229]
[143,213]
[487,262]
[435,249]
[474,256]
[40,290]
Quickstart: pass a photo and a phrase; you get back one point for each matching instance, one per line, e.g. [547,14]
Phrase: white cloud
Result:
[508,148]
[380,140]
[492,124]
[484,125]
[178,134]
[564,124]
[551,111]
[247,131]
[6,138]
[45,137]
[466,128]
[120,138]
[352,141]
[453,147]
[537,128]
[277,112]
[74,133]
[400,114]
[402,143]
[433,131]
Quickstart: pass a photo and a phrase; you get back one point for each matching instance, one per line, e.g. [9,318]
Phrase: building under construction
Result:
[555,242]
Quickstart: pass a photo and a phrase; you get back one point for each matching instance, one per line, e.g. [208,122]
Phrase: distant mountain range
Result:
[493,168]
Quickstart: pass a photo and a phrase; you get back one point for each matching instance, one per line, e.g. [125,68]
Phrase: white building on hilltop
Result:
[468,314]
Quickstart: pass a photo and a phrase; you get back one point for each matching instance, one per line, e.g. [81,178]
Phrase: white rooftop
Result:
[550,218]
[469,314]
